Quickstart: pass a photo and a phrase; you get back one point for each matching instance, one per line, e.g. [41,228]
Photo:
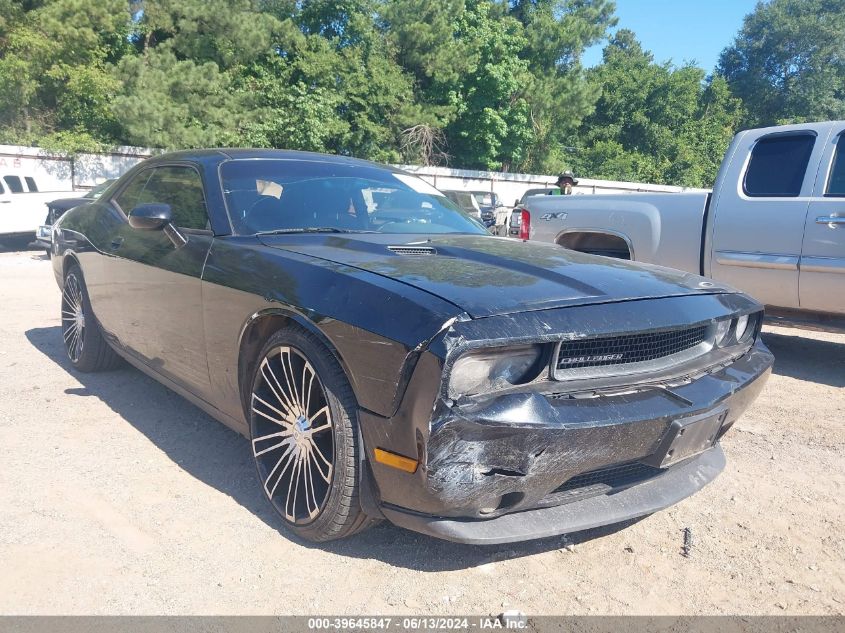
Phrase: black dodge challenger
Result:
[387,358]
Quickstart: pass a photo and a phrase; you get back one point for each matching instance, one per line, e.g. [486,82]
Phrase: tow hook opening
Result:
[510,499]
[506,502]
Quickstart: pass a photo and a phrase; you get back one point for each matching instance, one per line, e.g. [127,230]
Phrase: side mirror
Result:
[150,217]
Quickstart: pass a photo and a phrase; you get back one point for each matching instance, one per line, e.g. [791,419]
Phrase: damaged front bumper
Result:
[530,465]
[656,493]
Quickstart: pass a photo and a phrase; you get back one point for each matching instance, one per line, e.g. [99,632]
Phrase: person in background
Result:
[565,181]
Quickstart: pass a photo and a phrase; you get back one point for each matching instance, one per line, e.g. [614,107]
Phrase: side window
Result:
[15,184]
[778,165]
[1,188]
[128,198]
[181,188]
[836,181]
[30,183]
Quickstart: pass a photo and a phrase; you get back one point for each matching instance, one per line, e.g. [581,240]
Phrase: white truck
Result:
[773,226]
[22,206]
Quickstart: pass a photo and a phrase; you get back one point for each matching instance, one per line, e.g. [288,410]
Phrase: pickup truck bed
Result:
[667,227]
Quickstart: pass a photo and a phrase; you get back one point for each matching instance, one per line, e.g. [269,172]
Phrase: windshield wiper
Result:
[311,229]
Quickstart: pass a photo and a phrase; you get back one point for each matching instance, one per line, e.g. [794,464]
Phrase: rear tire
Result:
[303,420]
[84,344]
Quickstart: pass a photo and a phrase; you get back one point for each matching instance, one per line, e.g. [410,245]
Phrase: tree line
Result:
[476,84]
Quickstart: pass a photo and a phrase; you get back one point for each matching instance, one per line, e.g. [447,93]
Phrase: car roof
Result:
[220,155]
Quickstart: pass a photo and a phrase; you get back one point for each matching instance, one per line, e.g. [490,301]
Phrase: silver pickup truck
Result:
[773,226]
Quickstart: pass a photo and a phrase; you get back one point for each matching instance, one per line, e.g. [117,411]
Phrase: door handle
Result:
[117,242]
[832,221]
[5,202]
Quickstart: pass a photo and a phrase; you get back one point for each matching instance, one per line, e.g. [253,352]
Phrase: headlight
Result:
[486,370]
[735,331]
[741,327]
[723,328]
[747,327]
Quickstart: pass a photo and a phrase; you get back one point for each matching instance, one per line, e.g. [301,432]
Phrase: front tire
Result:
[85,346]
[304,432]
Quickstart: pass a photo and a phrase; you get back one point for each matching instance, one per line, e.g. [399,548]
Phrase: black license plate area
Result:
[688,437]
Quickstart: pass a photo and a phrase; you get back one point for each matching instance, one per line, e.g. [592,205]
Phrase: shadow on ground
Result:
[16,244]
[807,358]
[221,458]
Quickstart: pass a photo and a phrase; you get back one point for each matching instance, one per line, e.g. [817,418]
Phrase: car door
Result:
[760,214]
[157,279]
[822,274]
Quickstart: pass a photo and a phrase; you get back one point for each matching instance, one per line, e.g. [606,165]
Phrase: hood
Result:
[486,276]
[65,204]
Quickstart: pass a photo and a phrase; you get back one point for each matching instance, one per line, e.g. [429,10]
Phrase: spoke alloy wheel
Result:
[73,317]
[292,435]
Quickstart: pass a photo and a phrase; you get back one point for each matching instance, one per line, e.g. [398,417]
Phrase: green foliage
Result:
[489,84]
[168,102]
[295,113]
[654,122]
[54,69]
[788,62]
[557,92]
[492,123]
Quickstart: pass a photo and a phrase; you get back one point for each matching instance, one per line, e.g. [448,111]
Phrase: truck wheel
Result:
[85,346]
[304,431]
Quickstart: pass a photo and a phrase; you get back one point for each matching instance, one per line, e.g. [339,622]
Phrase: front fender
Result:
[375,326]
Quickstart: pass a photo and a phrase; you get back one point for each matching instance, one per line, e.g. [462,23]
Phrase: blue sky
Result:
[680,30]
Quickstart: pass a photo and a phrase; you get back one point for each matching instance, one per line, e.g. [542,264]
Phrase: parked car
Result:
[467,201]
[493,213]
[21,206]
[519,205]
[55,209]
[335,313]
[774,225]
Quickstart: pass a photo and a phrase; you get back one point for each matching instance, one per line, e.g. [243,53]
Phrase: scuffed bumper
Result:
[657,493]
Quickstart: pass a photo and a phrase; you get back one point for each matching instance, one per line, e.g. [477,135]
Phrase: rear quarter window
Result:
[836,180]
[778,165]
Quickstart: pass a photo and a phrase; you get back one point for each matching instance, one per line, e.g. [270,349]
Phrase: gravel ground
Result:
[119,497]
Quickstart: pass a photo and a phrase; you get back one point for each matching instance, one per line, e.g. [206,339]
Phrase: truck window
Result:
[1,188]
[778,164]
[836,181]
[30,183]
[14,183]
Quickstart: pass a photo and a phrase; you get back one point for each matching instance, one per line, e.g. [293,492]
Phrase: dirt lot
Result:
[117,496]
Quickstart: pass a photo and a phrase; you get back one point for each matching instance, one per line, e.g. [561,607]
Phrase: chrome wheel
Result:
[292,435]
[73,317]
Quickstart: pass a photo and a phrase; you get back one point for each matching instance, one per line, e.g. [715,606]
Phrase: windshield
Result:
[301,196]
[485,198]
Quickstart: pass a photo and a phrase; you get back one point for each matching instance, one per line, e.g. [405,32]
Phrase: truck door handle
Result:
[831,220]
[117,242]
[5,202]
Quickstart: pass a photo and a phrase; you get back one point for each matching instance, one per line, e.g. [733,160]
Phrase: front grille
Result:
[599,482]
[628,348]
[613,477]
